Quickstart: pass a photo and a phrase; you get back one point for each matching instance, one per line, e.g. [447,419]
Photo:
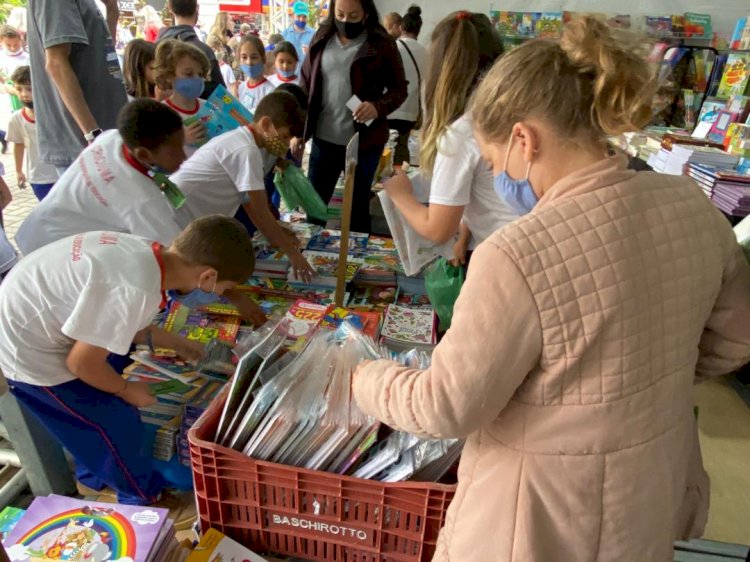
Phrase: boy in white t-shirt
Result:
[228,171]
[65,308]
[12,56]
[22,133]
[182,68]
[110,185]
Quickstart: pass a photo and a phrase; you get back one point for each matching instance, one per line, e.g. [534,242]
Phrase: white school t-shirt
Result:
[22,130]
[101,190]
[277,80]
[100,288]
[250,95]
[227,74]
[215,179]
[186,115]
[461,178]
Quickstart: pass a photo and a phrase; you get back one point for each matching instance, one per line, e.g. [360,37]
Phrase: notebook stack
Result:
[727,188]
[674,161]
[60,528]
[271,263]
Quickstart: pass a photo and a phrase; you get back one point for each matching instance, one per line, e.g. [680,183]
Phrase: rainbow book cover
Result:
[60,528]
[199,326]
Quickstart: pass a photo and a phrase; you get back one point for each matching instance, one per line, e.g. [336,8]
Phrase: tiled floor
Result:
[724,419]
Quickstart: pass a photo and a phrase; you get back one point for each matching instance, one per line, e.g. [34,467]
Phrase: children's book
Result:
[720,127]
[173,367]
[549,25]
[60,528]
[380,245]
[216,547]
[198,326]
[221,113]
[736,41]
[658,26]
[330,241]
[326,265]
[413,326]
[736,77]
[698,25]
[303,318]
[9,518]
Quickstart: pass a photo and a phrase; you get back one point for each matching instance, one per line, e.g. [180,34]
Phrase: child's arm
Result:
[161,338]
[258,211]
[249,310]
[18,152]
[5,195]
[89,363]
[461,246]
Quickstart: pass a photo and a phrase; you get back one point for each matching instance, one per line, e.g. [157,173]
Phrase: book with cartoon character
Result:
[60,528]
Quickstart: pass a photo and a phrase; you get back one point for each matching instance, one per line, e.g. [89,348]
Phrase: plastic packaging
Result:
[297,191]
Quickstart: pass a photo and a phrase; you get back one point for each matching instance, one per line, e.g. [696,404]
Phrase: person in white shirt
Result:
[227,172]
[67,306]
[286,65]
[462,195]
[256,86]
[22,133]
[414,59]
[110,185]
[182,68]
[12,56]
[227,74]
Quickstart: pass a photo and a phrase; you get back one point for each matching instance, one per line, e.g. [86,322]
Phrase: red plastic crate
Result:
[311,514]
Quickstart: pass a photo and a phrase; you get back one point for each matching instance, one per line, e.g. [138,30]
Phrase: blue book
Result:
[221,113]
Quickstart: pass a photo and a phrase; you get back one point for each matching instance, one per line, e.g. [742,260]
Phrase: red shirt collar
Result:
[133,162]
[157,249]
[179,109]
[26,116]
[282,79]
[253,86]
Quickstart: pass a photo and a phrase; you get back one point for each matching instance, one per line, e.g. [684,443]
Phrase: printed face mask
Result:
[253,70]
[189,88]
[274,144]
[518,194]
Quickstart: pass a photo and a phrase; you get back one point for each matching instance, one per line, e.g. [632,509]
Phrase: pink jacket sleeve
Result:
[725,344]
[494,341]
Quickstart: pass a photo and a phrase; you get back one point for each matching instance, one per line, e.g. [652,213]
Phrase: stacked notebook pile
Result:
[381,263]
[406,327]
[192,410]
[727,188]
[271,263]
[674,161]
[61,528]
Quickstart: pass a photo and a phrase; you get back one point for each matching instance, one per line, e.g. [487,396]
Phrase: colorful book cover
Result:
[216,547]
[527,28]
[721,126]
[381,245]
[508,23]
[658,26]
[330,241]
[9,518]
[367,322]
[221,113]
[60,528]
[199,326]
[736,40]
[171,366]
[303,318]
[734,81]
[409,325]
[698,26]
[326,266]
[549,25]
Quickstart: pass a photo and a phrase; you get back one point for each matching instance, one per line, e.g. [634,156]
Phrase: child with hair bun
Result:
[582,326]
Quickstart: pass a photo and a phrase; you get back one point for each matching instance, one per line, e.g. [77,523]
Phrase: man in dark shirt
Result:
[185,14]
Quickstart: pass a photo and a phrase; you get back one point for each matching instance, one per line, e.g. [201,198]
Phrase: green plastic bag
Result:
[443,282]
[297,191]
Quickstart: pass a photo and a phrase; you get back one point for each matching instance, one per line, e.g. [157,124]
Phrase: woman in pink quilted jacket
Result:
[581,328]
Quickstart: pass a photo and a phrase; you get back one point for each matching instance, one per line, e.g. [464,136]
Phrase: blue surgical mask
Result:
[300,24]
[253,70]
[189,88]
[518,194]
[286,73]
[195,298]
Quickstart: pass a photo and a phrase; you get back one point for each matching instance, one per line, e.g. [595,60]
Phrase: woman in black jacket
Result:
[350,55]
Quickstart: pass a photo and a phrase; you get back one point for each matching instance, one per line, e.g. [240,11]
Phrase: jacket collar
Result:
[608,171]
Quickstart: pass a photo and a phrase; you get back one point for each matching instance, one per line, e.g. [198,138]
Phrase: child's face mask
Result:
[189,88]
[274,144]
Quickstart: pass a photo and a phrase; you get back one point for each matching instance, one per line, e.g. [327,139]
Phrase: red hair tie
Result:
[463,16]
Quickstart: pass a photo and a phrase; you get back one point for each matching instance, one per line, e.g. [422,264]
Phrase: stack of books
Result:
[381,263]
[326,268]
[192,410]
[329,241]
[60,528]
[271,263]
[406,328]
[727,188]
[675,160]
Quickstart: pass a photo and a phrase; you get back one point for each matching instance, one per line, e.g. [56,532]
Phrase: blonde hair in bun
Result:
[593,83]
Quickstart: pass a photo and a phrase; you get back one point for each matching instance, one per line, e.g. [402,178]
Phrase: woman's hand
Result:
[398,186]
[195,133]
[365,112]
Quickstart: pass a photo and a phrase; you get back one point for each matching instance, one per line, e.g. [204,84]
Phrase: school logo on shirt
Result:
[77,251]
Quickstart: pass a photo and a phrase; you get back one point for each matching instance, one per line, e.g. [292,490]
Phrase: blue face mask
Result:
[518,194]
[195,298]
[189,88]
[300,24]
[286,73]
[253,70]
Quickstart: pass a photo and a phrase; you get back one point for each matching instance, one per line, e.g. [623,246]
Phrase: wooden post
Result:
[352,151]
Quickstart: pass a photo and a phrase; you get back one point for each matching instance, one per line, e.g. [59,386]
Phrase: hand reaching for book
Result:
[301,267]
[138,394]
[189,349]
